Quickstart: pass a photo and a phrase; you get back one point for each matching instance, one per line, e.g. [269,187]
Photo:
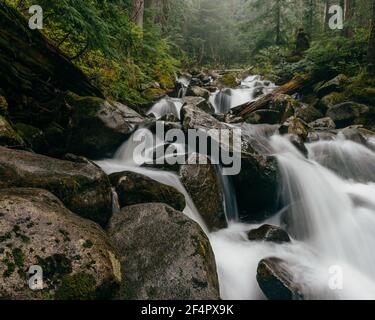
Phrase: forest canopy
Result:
[125,46]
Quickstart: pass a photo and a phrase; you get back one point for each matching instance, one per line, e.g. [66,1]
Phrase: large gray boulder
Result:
[256,184]
[202,183]
[75,255]
[348,113]
[98,127]
[164,255]
[199,102]
[134,188]
[82,186]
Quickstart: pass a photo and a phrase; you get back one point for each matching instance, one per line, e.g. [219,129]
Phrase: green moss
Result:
[8,136]
[229,80]
[153,94]
[65,234]
[55,265]
[80,286]
[3,106]
[88,244]
[5,237]
[18,257]
[32,135]
[11,267]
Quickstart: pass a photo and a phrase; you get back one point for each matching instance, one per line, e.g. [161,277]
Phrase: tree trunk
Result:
[326,15]
[349,17]
[310,20]
[138,12]
[278,21]
[371,47]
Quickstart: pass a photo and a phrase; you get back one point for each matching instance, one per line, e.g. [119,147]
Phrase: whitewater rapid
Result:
[328,210]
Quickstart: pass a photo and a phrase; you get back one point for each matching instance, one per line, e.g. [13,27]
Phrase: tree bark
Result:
[349,17]
[326,15]
[138,12]
[278,21]
[371,46]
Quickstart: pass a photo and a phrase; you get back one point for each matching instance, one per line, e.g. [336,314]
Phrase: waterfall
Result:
[328,202]
[251,88]
[166,106]
[331,220]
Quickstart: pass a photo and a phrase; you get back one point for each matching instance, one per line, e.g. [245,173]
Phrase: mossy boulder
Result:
[264,117]
[330,100]
[199,102]
[229,80]
[33,136]
[196,91]
[276,280]
[154,94]
[3,106]
[98,127]
[164,255]
[333,85]
[202,182]
[308,113]
[36,229]
[349,113]
[83,187]
[323,124]
[134,188]
[8,136]
[286,105]
[295,126]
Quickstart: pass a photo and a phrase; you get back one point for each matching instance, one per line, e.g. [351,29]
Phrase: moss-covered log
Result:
[32,69]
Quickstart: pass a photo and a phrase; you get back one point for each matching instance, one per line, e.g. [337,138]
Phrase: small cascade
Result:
[166,106]
[251,88]
[115,202]
[184,83]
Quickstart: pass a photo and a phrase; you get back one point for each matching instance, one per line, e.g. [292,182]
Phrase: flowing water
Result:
[251,88]
[329,212]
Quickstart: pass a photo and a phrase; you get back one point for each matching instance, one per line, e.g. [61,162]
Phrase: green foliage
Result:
[98,36]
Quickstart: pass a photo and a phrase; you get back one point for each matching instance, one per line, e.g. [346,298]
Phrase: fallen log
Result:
[298,83]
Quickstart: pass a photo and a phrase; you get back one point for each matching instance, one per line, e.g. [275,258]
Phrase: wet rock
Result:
[308,114]
[353,134]
[336,84]
[164,255]
[198,92]
[201,181]
[33,136]
[323,124]
[82,187]
[98,126]
[296,127]
[329,101]
[76,257]
[257,183]
[347,113]
[8,136]
[264,116]
[3,106]
[298,143]
[276,280]
[268,233]
[134,188]
[199,102]
[154,94]
[170,117]
[285,104]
